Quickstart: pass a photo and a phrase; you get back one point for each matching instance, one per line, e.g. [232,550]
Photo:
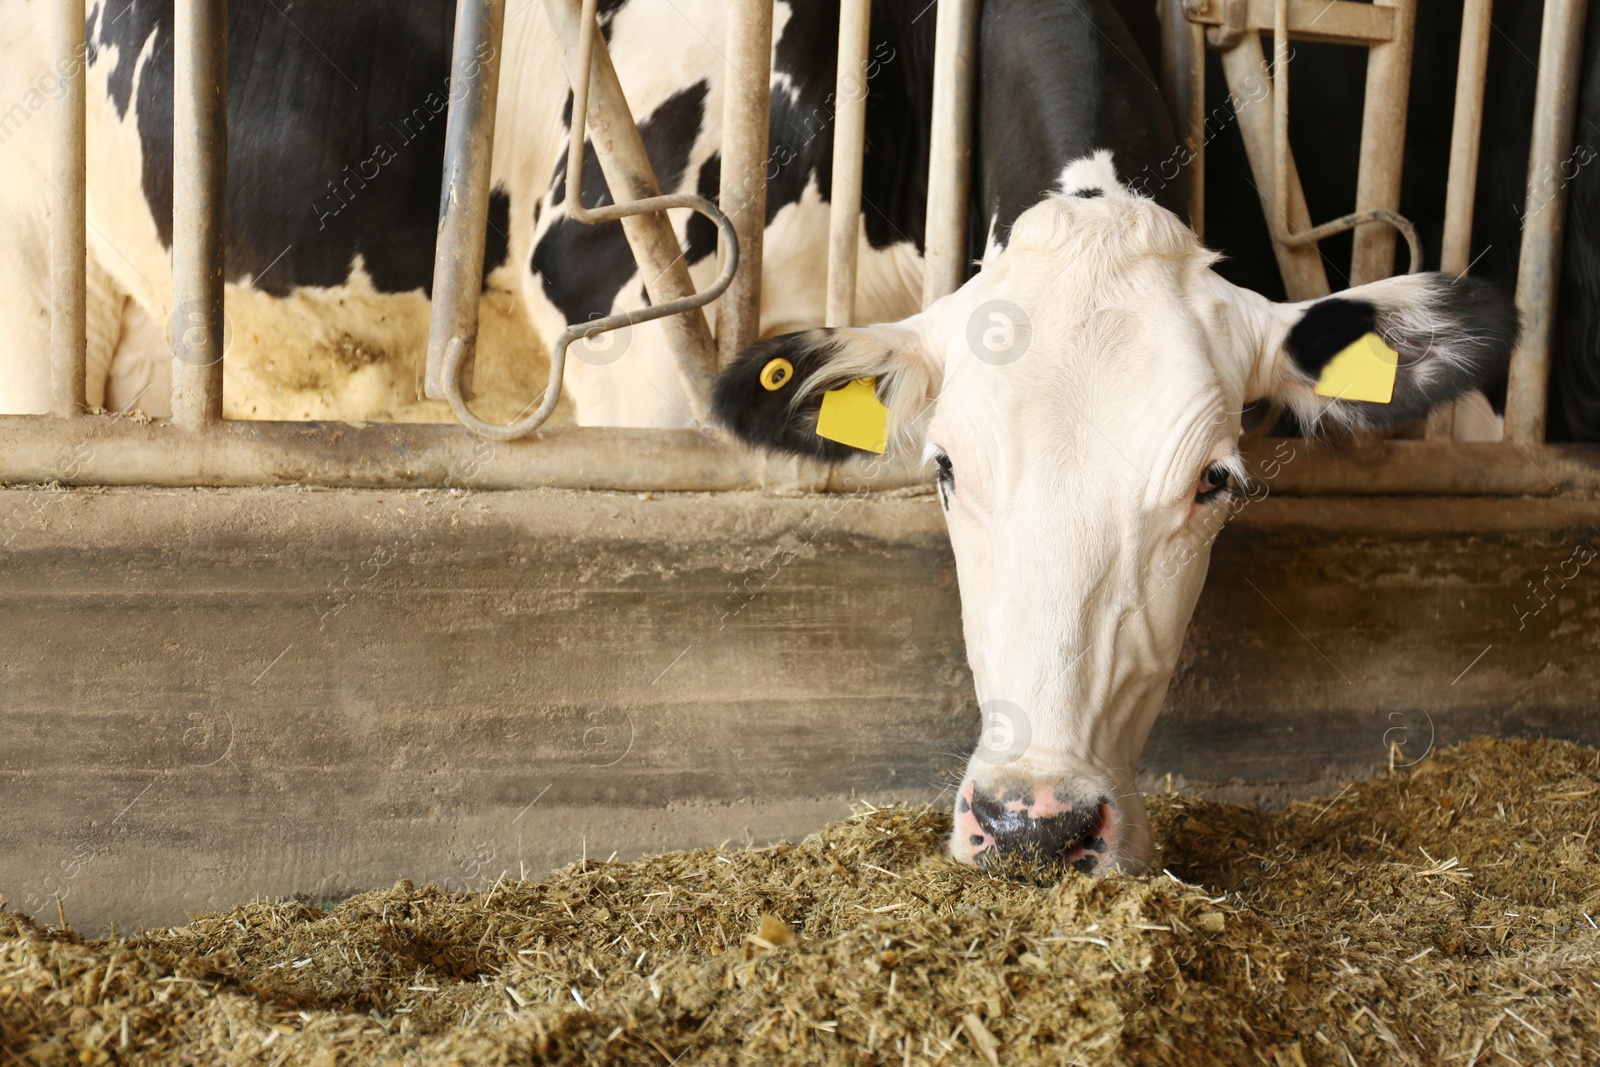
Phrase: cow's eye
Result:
[946,477]
[1215,481]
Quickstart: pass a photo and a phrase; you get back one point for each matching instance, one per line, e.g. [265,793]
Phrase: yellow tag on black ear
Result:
[853,415]
[776,374]
[1363,370]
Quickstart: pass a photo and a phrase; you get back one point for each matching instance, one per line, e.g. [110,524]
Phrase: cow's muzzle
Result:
[1034,831]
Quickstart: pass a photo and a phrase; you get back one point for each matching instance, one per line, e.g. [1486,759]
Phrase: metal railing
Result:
[199,448]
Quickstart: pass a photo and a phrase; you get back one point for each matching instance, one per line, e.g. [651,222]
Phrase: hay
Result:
[1440,916]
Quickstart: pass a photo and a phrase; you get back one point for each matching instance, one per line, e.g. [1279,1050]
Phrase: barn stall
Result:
[298,661]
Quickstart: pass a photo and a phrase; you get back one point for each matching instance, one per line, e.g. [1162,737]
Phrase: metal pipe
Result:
[630,177]
[1555,106]
[1383,143]
[68,277]
[399,455]
[746,110]
[1183,82]
[1244,65]
[1291,236]
[955,67]
[849,147]
[200,169]
[1461,192]
[464,202]
[590,54]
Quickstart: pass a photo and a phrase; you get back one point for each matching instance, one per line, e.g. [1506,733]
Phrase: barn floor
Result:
[1439,914]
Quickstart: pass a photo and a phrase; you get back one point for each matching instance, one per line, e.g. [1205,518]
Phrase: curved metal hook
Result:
[455,351]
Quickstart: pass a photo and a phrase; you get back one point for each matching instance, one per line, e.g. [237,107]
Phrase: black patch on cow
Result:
[497,239]
[583,267]
[1326,329]
[335,148]
[1077,74]
[89,51]
[899,80]
[764,417]
[700,234]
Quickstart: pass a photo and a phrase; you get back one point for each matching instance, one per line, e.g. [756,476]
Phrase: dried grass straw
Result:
[1444,915]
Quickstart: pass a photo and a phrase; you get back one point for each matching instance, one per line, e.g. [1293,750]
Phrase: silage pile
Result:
[1445,915]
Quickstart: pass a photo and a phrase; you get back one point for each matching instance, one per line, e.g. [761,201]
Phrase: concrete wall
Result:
[207,696]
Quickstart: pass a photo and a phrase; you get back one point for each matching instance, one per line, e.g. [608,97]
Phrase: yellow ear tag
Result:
[1364,370]
[776,374]
[853,415]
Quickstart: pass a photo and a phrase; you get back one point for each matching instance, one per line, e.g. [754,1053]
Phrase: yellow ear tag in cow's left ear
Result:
[1363,370]
[853,415]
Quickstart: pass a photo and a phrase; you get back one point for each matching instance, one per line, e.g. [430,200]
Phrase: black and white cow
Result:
[1085,459]
[336,129]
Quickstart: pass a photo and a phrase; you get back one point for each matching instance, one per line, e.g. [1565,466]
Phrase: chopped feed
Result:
[1445,915]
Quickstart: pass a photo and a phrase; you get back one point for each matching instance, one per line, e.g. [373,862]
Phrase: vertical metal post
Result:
[746,110]
[1183,82]
[1244,66]
[68,329]
[955,64]
[1555,106]
[464,198]
[1461,192]
[1383,143]
[200,168]
[849,145]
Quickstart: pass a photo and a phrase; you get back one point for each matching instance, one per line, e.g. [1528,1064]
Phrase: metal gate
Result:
[197,447]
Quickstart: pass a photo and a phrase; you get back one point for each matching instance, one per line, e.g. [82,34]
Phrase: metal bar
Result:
[115,451]
[1555,105]
[464,203]
[746,111]
[68,276]
[1291,236]
[589,54]
[1301,266]
[1335,22]
[849,147]
[1461,192]
[378,455]
[200,169]
[1383,143]
[955,65]
[1183,81]
[630,177]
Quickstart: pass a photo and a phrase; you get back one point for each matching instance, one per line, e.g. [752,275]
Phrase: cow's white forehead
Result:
[1124,321]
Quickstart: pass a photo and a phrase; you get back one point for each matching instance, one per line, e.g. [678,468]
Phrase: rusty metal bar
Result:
[849,147]
[1555,105]
[630,177]
[955,64]
[746,110]
[1183,82]
[124,452]
[1244,65]
[68,223]
[199,180]
[1461,192]
[629,169]
[1292,237]
[1383,145]
[1329,21]
[464,202]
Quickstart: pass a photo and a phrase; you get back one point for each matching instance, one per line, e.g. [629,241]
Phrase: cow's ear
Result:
[772,394]
[1383,354]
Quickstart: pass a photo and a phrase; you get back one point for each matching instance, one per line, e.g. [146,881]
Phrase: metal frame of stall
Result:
[197,447]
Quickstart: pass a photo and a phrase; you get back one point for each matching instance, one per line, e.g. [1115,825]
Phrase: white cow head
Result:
[1080,398]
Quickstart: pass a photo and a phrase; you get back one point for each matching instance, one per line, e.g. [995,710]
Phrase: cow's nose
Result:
[1033,830]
